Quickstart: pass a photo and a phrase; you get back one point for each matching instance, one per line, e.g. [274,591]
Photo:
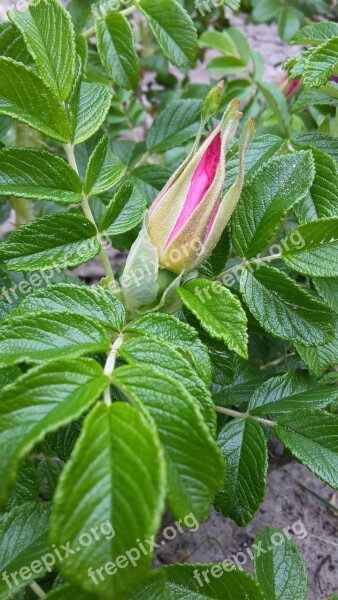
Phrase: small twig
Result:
[246,263]
[110,366]
[235,414]
[37,590]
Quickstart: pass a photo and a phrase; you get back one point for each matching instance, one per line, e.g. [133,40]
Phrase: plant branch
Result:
[235,414]
[252,261]
[110,366]
[37,589]
[69,149]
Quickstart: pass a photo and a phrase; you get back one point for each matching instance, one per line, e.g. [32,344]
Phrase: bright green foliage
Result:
[124,211]
[41,401]
[30,173]
[112,438]
[104,169]
[219,312]
[60,240]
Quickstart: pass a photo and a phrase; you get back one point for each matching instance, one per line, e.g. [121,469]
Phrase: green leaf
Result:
[320,64]
[309,98]
[8,375]
[218,41]
[288,22]
[40,175]
[283,308]
[58,240]
[260,150]
[29,100]
[277,102]
[175,125]
[48,336]
[226,65]
[116,46]
[280,569]
[40,401]
[315,33]
[88,108]
[173,29]
[317,254]
[233,4]
[183,337]
[200,582]
[289,392]
[266,197]
[24,540]
[48,32]
[119,456]
[68,592]
[144,350]
[94,302]
[321,357]
[12,44]
[150,179]
[243,446]
[104,169]
[220,313]
[186,439]
[328,290]
[312,437]
[124,212]
[322,199]
[315,139]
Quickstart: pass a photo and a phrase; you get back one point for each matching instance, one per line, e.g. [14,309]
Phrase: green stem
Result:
[37,589]
[92,30]
[69,150]
[246,263]
[235,414]
[110,366]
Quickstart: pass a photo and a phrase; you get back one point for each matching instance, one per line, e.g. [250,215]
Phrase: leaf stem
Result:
[92,30]
[235,414]
[252,261]
[69,150]
[110,366]
[37,589]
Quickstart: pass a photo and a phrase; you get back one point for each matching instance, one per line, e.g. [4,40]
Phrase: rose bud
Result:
[186,220]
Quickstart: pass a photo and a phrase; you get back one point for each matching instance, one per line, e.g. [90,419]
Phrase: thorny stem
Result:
[253,261]
[110,366]
[127,11]
[235,414]
[37,589]
[69,149]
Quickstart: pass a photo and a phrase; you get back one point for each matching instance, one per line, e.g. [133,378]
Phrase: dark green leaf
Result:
[175,125]
[317,255]
[280,569]
[283,308]
[117,50]
[319,358]
[314,139]
[124,212]
[243,446]
[322,199]
[173,29]
[104,169]
[88,108]
[312,437]
[265,199]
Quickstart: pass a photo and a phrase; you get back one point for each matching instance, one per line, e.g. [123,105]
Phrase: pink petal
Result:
[200,183]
